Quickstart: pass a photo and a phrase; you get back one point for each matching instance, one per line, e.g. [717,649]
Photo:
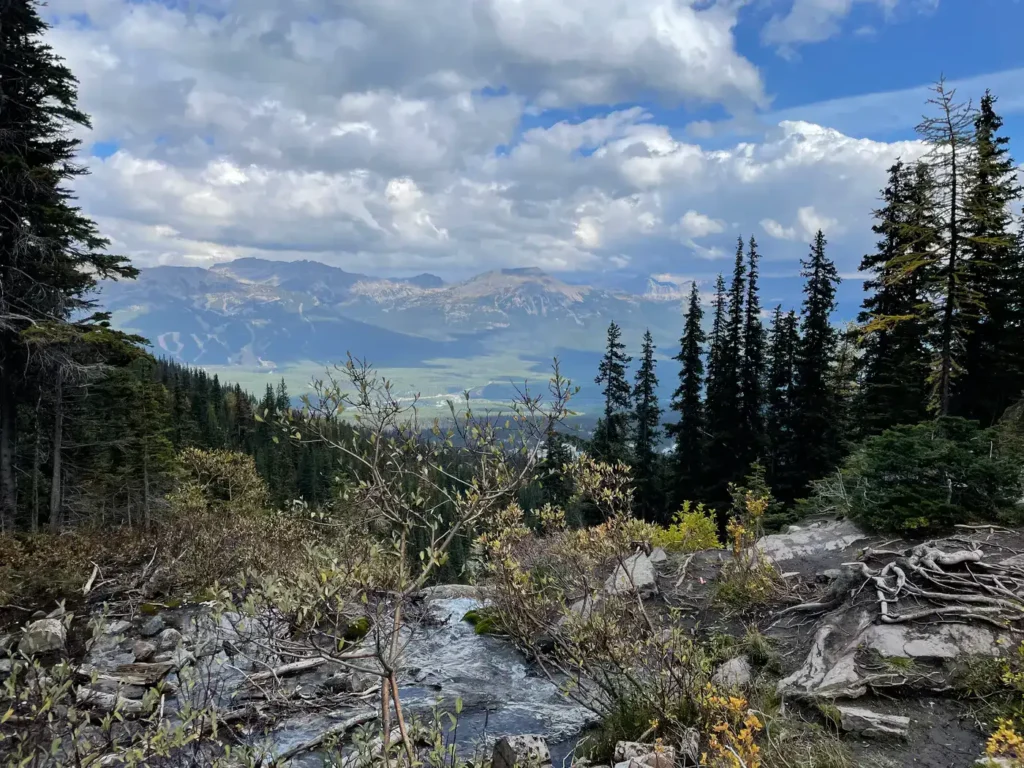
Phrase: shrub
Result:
[924,477]
[693,529]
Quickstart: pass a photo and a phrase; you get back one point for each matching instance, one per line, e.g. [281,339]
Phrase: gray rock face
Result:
[42,636]
[634,574]
[152,626]
[867,723]
[143,650]
[825,536]
[734,674]
[520,752]
[936,641]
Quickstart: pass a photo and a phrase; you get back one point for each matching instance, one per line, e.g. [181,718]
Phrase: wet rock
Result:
[520,752]
[168,639]
[734,674]
[869,724]
[817,538]
[43,636]
[143,650]
[152,626]
[634,574]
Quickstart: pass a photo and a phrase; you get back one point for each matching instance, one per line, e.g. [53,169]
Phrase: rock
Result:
[117,627]
[634,754]
[152,626]
[864,722]
[107,684]
[634,574]
[827,536]
[734,674]
[177,658]
[6,665]
[159,583]
[42,636]
[520,752]
[933,641]
[168,640]
[106,702]
[6,643]
[689,747]
[658,555]
[143,650]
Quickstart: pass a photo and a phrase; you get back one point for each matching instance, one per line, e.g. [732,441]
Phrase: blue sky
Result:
[603,141]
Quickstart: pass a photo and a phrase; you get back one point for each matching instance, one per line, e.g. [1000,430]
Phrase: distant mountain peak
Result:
[524,272]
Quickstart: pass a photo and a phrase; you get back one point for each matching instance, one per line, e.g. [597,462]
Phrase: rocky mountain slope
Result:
[268,313]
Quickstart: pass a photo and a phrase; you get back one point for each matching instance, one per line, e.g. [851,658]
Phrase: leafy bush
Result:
[924,477]
[693,529]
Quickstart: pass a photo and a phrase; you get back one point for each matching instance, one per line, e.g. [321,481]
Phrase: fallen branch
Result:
[284,670]
[335,730]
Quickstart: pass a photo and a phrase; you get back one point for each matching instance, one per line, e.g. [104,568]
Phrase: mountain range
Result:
[270,315]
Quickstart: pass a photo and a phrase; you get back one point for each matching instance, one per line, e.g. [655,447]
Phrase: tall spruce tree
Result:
[816,441]
[781,415]
[688,430]
[752,366]
[723,389]
[613,430]
[994,372]
[50,254]
[945,266]
[646,435]
[893,335]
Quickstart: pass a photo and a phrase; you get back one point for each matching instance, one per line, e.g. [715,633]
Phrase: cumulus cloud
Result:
[389,136]
[813,21]
[808,222]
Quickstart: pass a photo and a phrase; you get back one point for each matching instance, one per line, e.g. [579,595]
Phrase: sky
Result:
[605,141]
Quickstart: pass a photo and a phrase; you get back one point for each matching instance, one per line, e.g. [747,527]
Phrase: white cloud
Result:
[776,230]
[812,21]
[808,222]
[694,224]
[386,136]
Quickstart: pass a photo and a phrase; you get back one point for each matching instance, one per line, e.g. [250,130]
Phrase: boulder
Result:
[520,752]
[634,574]
[159,583]
[143,650]
[934,641]
[152,626]
[658,555]
[42,636]
[168,640]
[107,702]
[734,674]
[869,724]
[818,538]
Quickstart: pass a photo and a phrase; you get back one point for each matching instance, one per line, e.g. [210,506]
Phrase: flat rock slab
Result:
[634,574]
[933,641]
[813,540]
[870,724]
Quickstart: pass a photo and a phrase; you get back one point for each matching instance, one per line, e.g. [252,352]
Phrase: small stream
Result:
[501,693]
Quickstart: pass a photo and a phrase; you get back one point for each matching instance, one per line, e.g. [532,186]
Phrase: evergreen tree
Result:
[894,365]
[816,441]
[50,254]
[752,366]
[781,415]
[646,420]
[994,371]
[721,402]
[945,267]
[688,431]
[613,430]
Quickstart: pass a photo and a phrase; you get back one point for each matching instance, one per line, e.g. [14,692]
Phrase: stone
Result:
[658,555]
[168,640]
[634,574]
[734,674]
[6,642]
[520,752]
[118,627]
[143,650]
[6,665]
[146,675]
[869,724]
[152,626]
[177,658]
[933,641]
[827,536]
[689,747]
[159,583]
[42,636]
[106,702]
[635,754]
